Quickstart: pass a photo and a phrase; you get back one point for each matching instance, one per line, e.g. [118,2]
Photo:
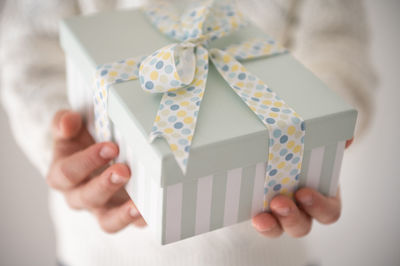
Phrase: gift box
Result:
[224,181]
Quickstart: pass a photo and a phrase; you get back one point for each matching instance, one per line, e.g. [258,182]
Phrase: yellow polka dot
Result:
[188,120]
[141,67]
[285,180]
[226,58]
[181,92]
[201,94]
[181,113]
[168,130]
[199,82]
[290,144]
[273,115]
[299,166]
[297,149]
[160,54]
[113,73]
[265,204]
[174,147]
[235,68]
[252,108]
[176,75]
[242,69]
[157,118]
[291,130]
[267,102]
[166,55]
[281,165]
[130,62]
[270,157]
[258,94]
[185,103]
[154,75]
[240,84]
[278,104]
[189,138]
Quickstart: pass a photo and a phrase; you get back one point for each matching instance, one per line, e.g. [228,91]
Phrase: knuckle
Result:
[72,203]
[86,200]
[331,218]
[65,172]
[105,227]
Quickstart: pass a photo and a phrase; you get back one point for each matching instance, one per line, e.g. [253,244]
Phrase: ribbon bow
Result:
[180,70]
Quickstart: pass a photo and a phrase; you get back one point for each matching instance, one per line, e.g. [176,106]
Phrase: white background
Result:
[368,232]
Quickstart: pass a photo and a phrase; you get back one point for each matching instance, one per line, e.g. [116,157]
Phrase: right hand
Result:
[81,172]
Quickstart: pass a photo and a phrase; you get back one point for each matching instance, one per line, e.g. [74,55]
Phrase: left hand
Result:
[296,220]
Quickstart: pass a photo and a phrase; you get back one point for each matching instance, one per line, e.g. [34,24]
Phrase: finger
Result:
[66,124]
[325,210]
[69,172]
[266,224]
[293,221]
[114,219]
[99,190]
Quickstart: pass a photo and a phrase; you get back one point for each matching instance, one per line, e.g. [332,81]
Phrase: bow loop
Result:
[169,68]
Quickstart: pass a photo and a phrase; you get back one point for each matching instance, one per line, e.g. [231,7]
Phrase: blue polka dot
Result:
[289,156]
[124,76]
[187,149]
[159,64]
[295,120]
[255,99]
[149,85]
[225,68]
[259,87]
[293,172]
[297,177]
[273,172]
[271,183]
[153,61]
[168,69]
[296,160]
[172,118]
[183,141]
[174,107]
[283,139]
[277,187]
[232,75]
[185,131]
[277,133]
[283,152]
[286,111]
[242,76]
[171,94]
[252,78]
[274,109]
[271,142]
[104,72]
[174,83]
[190,88]
[303,126]
[168,102]
[178,125]
[270,120]
[265,190]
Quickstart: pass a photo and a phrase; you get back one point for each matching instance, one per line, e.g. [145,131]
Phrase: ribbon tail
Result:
[107,75]
[285,127]
[177,115]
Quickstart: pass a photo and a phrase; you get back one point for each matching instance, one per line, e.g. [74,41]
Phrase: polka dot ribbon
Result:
[179,71]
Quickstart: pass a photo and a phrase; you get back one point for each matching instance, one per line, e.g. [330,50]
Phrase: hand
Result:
[81,172]
[295,220]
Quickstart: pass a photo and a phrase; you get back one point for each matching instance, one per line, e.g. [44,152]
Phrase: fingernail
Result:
[134,212]
[282,211]
[117,179]
[107,152]
[306,200]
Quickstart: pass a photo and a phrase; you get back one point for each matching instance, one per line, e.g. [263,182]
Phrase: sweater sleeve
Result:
[32,74]
[332,40]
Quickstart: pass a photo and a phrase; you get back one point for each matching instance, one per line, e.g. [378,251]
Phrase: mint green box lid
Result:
[228,134]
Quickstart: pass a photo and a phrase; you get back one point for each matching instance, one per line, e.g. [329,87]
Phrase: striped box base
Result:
[186,209]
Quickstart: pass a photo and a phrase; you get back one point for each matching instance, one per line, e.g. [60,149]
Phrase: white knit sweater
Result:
[329,36]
